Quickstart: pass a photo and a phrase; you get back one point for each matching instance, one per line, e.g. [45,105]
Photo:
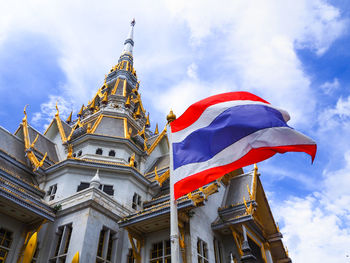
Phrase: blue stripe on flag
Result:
[227,128]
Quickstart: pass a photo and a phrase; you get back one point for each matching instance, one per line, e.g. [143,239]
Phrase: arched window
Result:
[99,151]
[111,153]
[80,153]
[74,155]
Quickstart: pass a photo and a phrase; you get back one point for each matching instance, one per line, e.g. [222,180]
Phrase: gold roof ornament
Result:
[145,144]
[81,111]
[171,116]
[147,122]
[142,133]
[138,112]
[70,151]
[127,103]
[88,130]
[156,131]
[92,105]
[69,119]
[132,160]
[57,111]
[105,98]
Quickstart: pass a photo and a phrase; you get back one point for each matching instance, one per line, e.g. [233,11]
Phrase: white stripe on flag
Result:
[270,137]
[210,113]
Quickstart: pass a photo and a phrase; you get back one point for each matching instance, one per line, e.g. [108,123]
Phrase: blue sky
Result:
[295,54]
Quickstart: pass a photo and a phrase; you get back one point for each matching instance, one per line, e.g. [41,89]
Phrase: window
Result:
[111,153]
[136,201]
[105,246]
[160,252]
[74,155]
[80,153]
[52,192]
[108,189]
[130,257]
[217,251]
[83,186]
[5,243]
[99,151]
[63,238]
[202,251]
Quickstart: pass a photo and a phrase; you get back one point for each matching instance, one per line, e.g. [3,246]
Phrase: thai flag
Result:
[225,132]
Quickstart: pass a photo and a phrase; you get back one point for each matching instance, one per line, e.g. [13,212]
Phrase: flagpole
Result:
[174,229]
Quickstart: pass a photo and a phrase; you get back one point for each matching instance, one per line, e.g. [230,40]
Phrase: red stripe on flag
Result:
[197,180]
[195,110]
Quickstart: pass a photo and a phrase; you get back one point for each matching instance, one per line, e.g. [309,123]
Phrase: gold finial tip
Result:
[171,116]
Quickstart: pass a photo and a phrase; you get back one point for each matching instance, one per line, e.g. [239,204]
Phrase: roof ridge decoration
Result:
[155,143]
[59,125]
[30,146]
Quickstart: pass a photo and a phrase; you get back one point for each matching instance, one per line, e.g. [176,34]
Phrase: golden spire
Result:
[127,103]
[171,116]
[81,111]
[138,112]
[147,121]
[92,106]
[69,119]
[156,131]
[105,98]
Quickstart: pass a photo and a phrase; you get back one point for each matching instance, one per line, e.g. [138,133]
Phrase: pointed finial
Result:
[105,98]
[133,22]
[92,106]
[129,42]
[147,122]
[57,112]
[156,131]
[171,116]
[69,119]
[95,182]
[138,112]
[127,103]
[25,112]
[81,111]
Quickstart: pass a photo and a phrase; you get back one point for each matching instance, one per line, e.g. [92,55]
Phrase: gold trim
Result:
[126,134]
[124,88]
[237,241]
[115,87]
[59,126]
[97,122]
[155,143]
[256,240]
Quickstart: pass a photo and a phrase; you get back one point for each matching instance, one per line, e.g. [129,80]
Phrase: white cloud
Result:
[316,228]
[336,117]
[48,110]
[330,87]
[258,41]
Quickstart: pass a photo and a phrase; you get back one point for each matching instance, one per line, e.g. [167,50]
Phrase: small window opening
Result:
[111,153]
[99,151]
